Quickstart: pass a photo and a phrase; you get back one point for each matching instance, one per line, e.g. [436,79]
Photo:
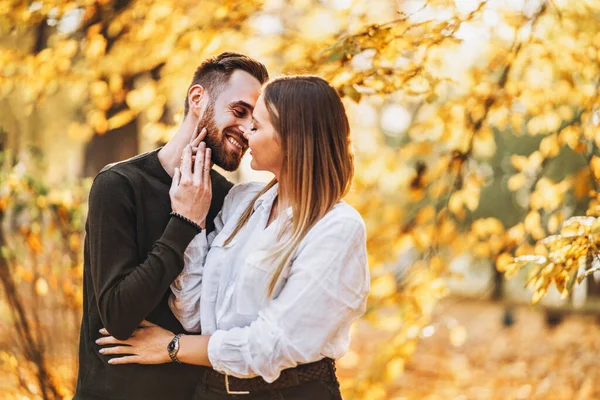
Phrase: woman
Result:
[275,288]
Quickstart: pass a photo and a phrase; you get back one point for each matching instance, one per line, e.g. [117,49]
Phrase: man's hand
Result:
[191,189]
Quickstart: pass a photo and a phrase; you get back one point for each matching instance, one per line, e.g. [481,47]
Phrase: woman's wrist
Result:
[173,347]
[193,349]
[185,219]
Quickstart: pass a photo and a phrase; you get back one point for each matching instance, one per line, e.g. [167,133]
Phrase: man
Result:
[134,246]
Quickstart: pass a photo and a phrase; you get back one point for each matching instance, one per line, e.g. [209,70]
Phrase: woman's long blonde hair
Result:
[318,166]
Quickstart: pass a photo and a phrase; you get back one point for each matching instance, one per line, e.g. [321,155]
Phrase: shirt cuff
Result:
[214,344]
[178,234]
[200,243]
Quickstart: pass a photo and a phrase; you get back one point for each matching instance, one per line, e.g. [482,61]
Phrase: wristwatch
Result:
[173,348]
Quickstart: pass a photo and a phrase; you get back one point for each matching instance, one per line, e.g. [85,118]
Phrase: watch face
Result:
[171,346]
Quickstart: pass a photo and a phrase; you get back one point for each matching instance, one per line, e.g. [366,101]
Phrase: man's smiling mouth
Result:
[236,143]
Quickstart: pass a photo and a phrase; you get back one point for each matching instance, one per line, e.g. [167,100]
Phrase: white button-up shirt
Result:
[222,290]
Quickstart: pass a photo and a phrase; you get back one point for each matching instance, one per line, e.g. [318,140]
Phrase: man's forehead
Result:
[241,88]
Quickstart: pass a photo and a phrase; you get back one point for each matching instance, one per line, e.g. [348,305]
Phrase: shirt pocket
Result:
[252,283]
[213,267]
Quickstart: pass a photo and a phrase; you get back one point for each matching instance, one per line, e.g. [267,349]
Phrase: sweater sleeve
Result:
[128,288]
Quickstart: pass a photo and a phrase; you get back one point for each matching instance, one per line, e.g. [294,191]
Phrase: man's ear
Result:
[198,100]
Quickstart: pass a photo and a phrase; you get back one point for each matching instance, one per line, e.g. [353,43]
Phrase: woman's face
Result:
[264,141]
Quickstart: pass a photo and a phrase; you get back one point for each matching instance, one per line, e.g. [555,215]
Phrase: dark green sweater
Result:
[133,251]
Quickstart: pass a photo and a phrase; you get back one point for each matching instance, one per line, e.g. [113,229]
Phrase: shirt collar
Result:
[269,197]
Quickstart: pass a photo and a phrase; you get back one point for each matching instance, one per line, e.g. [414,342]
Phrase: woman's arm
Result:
[148,345]
[324,294]
[186,289]
[184,301]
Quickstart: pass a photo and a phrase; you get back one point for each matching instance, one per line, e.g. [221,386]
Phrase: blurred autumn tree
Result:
[476,123]
[472,80]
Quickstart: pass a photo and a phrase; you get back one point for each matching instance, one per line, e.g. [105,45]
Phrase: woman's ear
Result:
[198,100]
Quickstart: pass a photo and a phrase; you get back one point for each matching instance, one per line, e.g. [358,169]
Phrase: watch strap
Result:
[173,348]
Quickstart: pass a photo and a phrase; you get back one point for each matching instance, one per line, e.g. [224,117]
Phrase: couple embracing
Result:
[198,289]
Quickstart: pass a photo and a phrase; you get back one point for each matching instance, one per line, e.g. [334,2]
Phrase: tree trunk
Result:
[116,145]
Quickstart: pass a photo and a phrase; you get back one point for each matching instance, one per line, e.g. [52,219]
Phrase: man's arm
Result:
[127,290]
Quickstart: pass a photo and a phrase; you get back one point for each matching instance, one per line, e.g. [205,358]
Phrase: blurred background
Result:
[476,128]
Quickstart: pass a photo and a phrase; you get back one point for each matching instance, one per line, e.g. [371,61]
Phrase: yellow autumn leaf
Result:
[519,162]
[97,120]
[554,222]
[570,136]
[595,166]
[458,336]
[503,261]
[549,146]
[516,182]
[484,145]
[533,221]
[142,98]
[96,47]
[538,295]
[395,368]
[41,286]
[115,83]
[455,204]
[552,121]
[120,119]
[383,286]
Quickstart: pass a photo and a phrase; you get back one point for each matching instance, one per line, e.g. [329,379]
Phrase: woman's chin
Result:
[254,165]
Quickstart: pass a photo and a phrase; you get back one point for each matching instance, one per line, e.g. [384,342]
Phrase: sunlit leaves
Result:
[142,98]
[42,250]
[537,76]
[383,286]
[463,82]
[98,51]
[565,259]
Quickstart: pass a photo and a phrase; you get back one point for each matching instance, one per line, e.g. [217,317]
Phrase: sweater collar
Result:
[160,170]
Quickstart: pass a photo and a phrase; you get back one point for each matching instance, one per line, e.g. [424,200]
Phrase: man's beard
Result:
[215,140]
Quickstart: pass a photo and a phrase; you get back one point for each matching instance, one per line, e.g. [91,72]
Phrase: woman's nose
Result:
[245,131]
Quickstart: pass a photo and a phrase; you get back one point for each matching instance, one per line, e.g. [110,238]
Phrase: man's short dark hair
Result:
[215,72]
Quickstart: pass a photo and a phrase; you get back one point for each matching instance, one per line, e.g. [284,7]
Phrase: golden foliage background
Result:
[476,127]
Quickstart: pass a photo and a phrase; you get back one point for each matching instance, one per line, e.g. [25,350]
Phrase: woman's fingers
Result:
[110,340]
[200,135]
[186,165]
[199,164]
[126,360]
[116,350]
[175,181]
[206,170]
[177,176]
